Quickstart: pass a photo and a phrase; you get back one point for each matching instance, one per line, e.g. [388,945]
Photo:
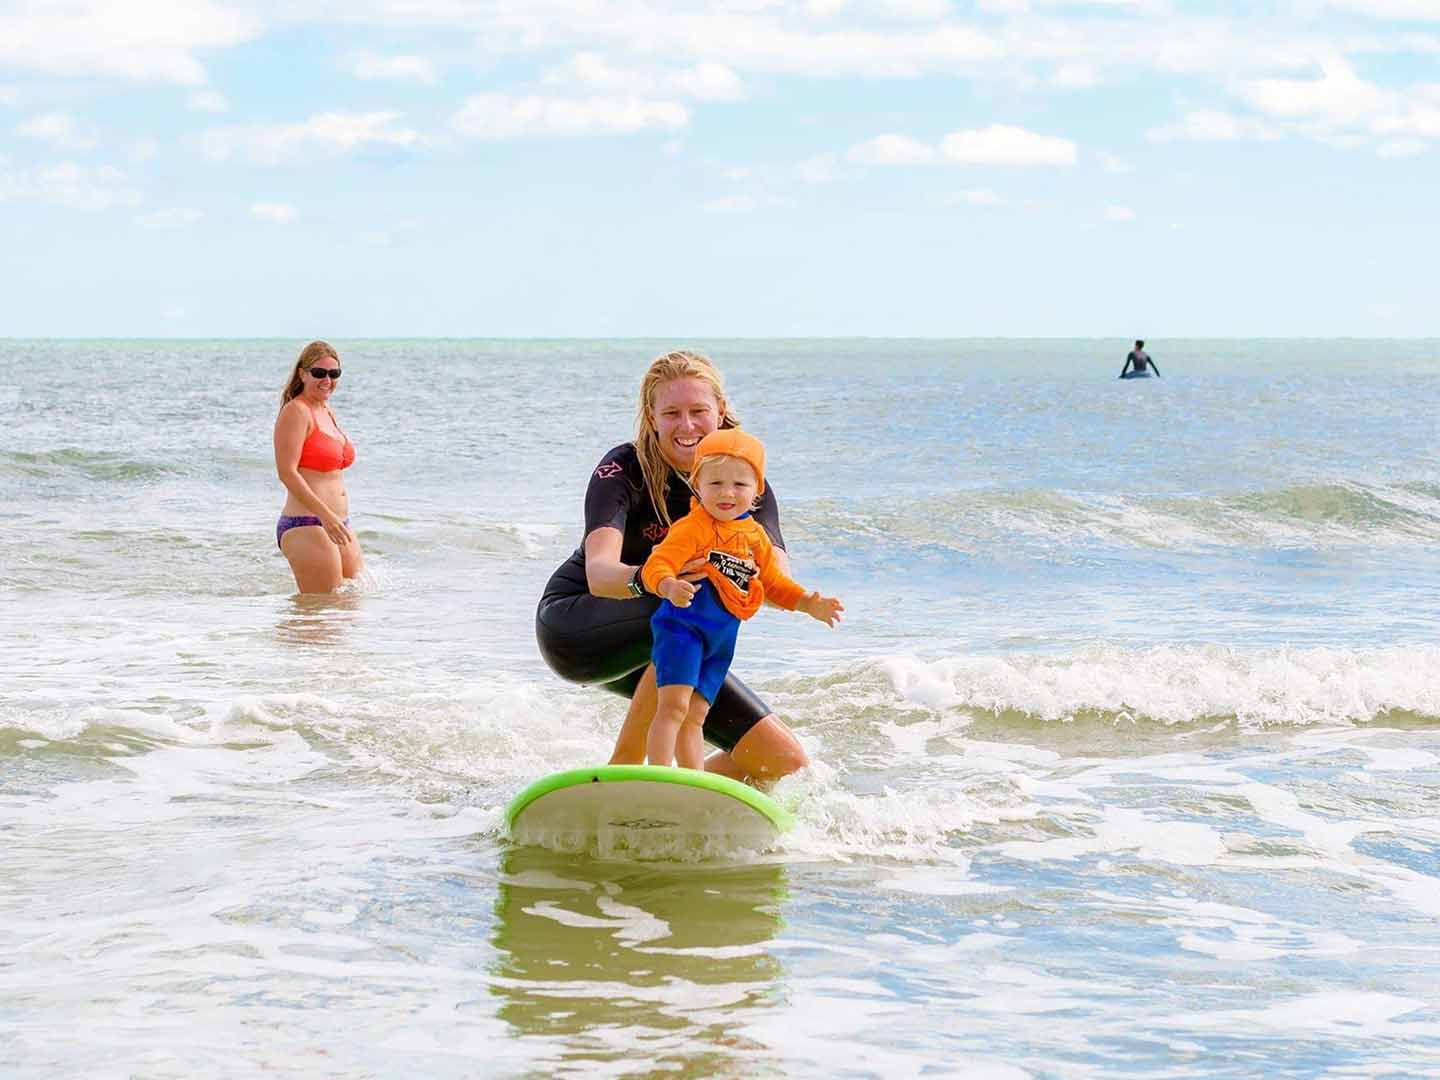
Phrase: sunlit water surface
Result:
[1127,757]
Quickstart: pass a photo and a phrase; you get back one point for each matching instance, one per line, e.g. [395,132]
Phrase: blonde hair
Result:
[316,350]
[654,468]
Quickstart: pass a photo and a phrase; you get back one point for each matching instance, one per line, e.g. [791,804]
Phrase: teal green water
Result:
[1126,757]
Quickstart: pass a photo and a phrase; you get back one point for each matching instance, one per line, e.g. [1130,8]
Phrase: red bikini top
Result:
[324,452]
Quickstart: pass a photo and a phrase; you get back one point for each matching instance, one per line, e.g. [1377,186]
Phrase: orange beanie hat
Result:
[732,442]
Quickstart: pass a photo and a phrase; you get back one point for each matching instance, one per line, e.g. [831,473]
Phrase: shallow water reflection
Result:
[613,963]
[317,618]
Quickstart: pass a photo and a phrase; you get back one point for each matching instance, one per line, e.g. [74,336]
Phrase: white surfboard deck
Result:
[645,811]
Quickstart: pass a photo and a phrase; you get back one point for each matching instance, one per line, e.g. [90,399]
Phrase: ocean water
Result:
[1127,757]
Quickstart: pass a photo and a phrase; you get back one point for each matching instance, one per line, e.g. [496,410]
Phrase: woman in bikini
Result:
[310,453]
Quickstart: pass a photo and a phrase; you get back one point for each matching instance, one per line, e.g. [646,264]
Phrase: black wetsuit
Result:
[1141,359]
[594,639]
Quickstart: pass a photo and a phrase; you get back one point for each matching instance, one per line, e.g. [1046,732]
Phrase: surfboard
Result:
[645,811]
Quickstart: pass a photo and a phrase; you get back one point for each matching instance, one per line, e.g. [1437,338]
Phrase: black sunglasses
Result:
[321,373]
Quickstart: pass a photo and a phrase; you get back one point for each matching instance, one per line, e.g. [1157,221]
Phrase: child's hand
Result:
[676,591]
[825,608]
[694,570]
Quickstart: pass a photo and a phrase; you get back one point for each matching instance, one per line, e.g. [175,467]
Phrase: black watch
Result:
[635,586]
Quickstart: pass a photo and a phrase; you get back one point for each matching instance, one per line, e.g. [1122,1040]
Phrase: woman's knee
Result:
[351,560]
[770,750]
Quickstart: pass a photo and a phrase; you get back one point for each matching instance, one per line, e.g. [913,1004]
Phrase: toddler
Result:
[695,626]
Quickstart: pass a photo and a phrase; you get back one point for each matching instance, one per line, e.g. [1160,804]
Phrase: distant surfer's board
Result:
[649,811]
[1136,375]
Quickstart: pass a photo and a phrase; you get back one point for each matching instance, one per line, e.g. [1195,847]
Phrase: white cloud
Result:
[323,135]
[732,204]
[709,81]
[1002,144]
[768,37]
[395,69]
[1027,42]
[706,81]
[1401,148]
[892,150]
[817,170]
[1391,9]
[210,101]
[275,213]
[1119,213]
[143,150]
[1213,125]
[1415,121]
[9,96]
[1339,98]
[1077,76]
[173,218]
[1336,107]
[503,116]
[144,40]
[1112,163]
[59,129]
[980,197]
[914,9]
[998,144]
[79,187]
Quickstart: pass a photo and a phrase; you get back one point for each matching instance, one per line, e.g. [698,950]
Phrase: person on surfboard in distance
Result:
[1141,362]
[695,626]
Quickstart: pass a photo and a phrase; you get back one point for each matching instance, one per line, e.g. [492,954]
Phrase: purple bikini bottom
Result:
[287,522]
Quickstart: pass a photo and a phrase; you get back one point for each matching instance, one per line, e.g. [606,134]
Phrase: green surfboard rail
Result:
[758,801]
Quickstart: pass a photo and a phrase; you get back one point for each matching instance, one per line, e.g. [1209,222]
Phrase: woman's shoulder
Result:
[295,408]
[622,460]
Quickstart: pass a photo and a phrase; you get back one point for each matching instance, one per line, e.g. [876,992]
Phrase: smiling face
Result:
[726,487]
[683,412]
[319,390]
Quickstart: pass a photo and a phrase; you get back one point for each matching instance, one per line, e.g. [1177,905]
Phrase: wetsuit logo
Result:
[607,470]
[654,532]
[735,569]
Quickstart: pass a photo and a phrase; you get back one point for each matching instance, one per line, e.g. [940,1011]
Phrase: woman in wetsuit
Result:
[310,453]
[593,621]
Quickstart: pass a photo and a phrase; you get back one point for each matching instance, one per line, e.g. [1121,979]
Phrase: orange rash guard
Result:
[741,565]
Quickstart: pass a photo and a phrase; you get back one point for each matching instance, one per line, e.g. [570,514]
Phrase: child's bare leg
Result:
[671,705]
[690,744]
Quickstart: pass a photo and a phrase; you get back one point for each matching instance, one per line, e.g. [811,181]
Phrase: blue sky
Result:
[818,167]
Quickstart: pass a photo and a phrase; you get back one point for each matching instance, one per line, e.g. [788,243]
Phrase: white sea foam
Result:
[1181,684]
[1022,850]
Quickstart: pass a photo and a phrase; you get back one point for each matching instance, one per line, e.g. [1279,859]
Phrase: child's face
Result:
[726,487]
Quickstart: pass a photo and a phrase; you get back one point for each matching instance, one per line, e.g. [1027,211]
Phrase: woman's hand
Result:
[338,532]
[678,592]
[825,608]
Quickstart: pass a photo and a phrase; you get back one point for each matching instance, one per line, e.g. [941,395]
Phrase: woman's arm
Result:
[605,574]
[291,427]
